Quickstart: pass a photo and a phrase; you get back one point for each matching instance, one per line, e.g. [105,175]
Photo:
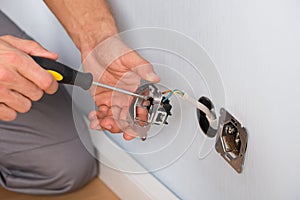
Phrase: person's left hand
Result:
[112,63]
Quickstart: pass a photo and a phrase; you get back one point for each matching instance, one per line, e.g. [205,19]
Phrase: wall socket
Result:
[231,136]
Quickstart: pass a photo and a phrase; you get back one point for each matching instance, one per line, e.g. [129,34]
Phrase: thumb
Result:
[140,66]
[30,47]
[147,72]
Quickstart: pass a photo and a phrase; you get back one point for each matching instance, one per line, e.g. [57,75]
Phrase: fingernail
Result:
[108,127]
[98,127]
[152,77]
[92,126]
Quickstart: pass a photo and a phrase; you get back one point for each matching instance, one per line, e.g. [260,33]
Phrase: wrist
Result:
[92,36]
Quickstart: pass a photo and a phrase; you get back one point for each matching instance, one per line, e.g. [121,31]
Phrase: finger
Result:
[142,114]
[93,115]
[27,67]
[139,65]
[24,86]
[129,134]
[147,72]
[109,124]
[122,121]
[124,113]
[29,46]
[114,112]
[128,137]
[103,108]
[32,71]
[95,124]
[97,115]
[16,101]
[13,80]
[6,113]
[101,115]
[128,80]
[103,99]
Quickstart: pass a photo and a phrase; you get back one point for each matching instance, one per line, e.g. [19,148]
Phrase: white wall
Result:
[255,46]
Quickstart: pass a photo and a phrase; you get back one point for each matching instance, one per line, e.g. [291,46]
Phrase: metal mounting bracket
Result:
[232,139]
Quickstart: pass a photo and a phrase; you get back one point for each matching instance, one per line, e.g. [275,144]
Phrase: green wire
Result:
[170,94]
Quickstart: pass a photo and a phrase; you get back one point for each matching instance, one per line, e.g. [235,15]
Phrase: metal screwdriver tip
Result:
[120,90]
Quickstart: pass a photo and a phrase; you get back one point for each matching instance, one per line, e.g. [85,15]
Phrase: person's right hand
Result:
[21,79]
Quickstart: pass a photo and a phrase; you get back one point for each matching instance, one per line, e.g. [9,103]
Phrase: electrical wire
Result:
[211,116]
[200,156]
[167,91]
[171,93]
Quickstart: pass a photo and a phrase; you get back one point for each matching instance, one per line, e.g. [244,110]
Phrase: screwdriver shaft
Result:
[119,90]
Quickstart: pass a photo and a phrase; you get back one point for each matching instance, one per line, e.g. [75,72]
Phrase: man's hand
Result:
[21,79]
[112,63]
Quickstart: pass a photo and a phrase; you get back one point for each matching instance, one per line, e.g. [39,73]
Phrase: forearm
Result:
[88,22]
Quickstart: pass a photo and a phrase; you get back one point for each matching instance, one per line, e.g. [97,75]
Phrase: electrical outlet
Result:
[232,138]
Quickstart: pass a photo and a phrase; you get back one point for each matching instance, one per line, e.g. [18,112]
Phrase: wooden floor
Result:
[96,190]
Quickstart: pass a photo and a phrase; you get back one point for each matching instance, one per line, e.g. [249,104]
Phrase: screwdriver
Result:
[67,75]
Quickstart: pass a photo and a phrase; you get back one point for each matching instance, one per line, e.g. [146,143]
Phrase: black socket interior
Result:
[202,119]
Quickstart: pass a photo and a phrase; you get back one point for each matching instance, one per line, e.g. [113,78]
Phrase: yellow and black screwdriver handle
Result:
[64,74]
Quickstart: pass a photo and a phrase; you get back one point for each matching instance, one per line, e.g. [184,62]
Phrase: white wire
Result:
[200,150]
[200,106]
[211,117]
[209,114]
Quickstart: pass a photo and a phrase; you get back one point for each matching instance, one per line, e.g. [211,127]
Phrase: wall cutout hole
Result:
[202,119]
